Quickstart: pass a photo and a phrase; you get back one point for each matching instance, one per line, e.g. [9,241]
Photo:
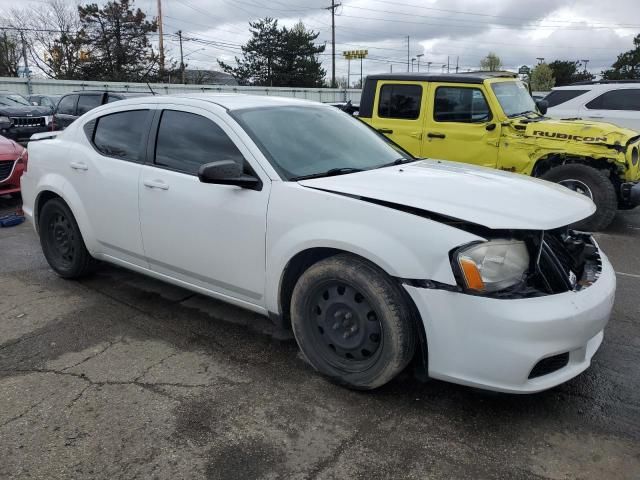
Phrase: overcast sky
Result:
[461,30]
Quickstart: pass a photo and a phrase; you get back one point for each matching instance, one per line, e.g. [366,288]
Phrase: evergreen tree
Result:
[627,66]
[117,39]
[278,57]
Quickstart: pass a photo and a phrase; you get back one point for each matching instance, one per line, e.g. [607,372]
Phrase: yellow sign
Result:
[354,54]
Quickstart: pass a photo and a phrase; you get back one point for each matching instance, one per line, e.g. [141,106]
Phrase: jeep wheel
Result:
[62,242]
[352,322]
[593,183]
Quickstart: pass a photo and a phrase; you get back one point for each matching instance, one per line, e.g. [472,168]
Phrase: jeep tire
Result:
[599,188]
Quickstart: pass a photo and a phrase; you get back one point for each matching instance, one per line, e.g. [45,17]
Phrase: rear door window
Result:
[67,105]
[623,99]
[122,135]
[558,97]
[400,101]
[460,104]
[186,141]
[88,102]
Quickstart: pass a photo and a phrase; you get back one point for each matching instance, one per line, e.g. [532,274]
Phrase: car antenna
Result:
[151,89]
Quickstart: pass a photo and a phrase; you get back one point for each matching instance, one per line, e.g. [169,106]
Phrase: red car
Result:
[13,160]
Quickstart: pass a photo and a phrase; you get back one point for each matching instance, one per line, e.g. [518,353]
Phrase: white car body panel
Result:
[576,107]
[427,185]
[235,244]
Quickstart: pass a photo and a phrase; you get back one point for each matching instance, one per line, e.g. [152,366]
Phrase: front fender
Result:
[402,244]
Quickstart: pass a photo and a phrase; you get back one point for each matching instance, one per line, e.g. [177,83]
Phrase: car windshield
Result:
[12,100]
[514,98]
[302,141]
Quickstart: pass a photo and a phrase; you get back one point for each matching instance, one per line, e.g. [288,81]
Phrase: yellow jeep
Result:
[490,119]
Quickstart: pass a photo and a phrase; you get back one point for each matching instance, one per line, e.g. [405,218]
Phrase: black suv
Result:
[19,119]
[73,105]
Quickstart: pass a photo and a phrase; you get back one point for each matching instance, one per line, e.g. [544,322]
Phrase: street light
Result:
[444,65]
[540,59]
[428,66]
[420,55]
[585,64]
[412,60]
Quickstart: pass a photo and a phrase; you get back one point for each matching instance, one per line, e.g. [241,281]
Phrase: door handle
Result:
[436,135]
[385,130]
[595,116]
[159,184]
[78,166]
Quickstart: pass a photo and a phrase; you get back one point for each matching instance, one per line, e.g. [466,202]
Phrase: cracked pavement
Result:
[120,376]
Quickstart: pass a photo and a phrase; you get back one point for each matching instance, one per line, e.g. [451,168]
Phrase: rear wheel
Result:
[592,183]
[62,241]
[352,322]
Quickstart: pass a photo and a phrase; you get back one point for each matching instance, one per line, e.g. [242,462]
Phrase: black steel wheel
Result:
[352,322]
[347,325]
[62,242]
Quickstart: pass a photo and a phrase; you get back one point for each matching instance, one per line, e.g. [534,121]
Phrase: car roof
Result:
[229,101]
[466,77]
[604,86]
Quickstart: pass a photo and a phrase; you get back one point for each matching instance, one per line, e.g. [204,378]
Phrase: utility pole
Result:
[160,42]
[585,64]
[408,40]
[27,73]
[333,7]
[181,56]
[457,63]
[448,64]
[420,55]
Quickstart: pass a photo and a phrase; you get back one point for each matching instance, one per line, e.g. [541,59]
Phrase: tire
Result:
[352,322]
[62,242]
[598,184]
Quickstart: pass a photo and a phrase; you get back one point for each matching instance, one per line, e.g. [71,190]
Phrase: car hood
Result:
[24,111]
[579,131]
[494,199]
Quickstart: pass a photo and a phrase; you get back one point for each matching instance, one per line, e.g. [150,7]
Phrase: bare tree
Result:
[10,53]
[55,37]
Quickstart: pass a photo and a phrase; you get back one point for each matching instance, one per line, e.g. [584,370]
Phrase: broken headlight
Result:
[492,266]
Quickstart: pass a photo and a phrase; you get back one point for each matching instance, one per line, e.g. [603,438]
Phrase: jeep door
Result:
[399,113]
[460,125]
[208,235]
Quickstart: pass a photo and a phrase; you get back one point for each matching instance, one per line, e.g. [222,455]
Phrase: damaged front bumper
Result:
[521,343]
[630,194]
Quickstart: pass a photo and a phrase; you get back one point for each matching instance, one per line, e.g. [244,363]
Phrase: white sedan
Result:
[296,210]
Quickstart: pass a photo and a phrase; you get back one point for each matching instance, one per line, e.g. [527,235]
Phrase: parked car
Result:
[299,211]
[490,119]
[19,119]
[616,102]
[49,101]
[73,105]
[13,158]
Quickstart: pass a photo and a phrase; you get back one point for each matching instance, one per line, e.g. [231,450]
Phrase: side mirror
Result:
[35,104]
[227,172]
[543,106]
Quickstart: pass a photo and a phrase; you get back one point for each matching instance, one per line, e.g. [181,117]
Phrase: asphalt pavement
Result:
[121,376]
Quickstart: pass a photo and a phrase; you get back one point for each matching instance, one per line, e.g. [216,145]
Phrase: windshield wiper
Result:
[329,173]
[398,161]
[523,113]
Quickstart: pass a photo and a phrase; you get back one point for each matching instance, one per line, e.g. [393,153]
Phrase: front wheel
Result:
[352,322]
[592,183]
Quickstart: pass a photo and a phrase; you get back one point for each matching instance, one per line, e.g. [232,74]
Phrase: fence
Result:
[53,87]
